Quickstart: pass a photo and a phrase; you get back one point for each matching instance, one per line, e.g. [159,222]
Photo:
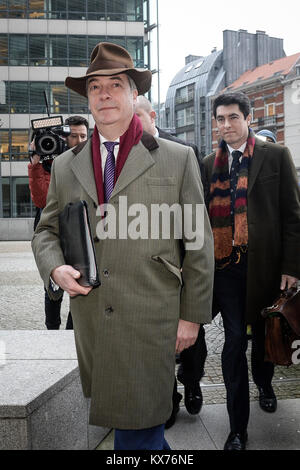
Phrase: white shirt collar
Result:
[103,139]
[104,152]
[241,149]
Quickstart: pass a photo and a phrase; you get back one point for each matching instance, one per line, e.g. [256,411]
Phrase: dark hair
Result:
[77,121]
[233,98]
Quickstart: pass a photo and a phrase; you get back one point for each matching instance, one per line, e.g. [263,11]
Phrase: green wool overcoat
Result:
[125,330]
[273,213]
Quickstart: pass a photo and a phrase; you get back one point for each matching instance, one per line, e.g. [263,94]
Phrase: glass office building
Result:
[41,43]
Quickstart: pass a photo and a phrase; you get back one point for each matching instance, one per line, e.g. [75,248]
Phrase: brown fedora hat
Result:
[111,59]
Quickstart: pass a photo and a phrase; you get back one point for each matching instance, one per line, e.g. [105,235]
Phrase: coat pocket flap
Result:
[161,181]
[170,267]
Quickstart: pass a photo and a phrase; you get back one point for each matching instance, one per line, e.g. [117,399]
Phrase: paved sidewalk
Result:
[22,307]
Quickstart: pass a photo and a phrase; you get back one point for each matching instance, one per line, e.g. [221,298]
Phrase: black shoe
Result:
[267,399]
[175,410]
[193,399]
[236,441]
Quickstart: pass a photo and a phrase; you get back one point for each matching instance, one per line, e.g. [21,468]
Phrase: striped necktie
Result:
[109,170]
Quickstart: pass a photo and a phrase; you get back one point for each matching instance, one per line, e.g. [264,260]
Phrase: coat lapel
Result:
[138,161]
[257,160]
[82,166]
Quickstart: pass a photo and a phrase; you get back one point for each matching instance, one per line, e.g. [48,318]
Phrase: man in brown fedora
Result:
[155,291]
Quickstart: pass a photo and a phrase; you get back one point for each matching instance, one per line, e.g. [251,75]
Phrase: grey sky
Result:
[196,26]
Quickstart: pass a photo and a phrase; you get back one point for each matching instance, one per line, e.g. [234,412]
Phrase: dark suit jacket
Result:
[273,222]
[168,136]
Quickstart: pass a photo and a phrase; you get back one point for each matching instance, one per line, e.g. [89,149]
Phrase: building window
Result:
[134,10]
[21,201]
[58,53]
[3,9]
[135,48]
[61,50]
[115,10]
[58,98]
[16,197]
[4,144]
[77,51]
[96,10]
[37,9]
[14,144]
[78,103]
[57,9]
[3,49]
[185,117]
[37,103]
[19,144]
[28,97]
[77,10]
[4,96]
[185,94]
[180,115]
[19,102]
[270,109]
[6,197]
[17,8]
[18,49]
[167,117]
[38,50]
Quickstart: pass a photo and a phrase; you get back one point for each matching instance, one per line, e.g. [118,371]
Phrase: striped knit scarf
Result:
[219,205]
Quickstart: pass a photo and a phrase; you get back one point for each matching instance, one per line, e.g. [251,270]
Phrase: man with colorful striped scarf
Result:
[252,195]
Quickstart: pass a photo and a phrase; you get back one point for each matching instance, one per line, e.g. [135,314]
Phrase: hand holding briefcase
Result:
[77,242]
[282,327]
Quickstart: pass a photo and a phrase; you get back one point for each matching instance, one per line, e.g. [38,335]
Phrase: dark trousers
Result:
[52,314]
[230,300]
[141,439]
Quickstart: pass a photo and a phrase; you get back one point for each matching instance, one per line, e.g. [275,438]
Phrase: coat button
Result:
[105,272]
[109,311]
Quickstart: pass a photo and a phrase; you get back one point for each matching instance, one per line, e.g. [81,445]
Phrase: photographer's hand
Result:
[65,276]
[35,159]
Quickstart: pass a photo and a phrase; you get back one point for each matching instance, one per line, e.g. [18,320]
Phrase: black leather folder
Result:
[77,242]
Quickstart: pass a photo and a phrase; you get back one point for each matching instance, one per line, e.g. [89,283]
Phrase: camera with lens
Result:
[48,137]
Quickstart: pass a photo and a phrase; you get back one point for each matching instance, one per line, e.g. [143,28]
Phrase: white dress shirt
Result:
[230,150]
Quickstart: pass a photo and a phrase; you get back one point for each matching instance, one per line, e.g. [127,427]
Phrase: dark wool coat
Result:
[125,330]
[273,222]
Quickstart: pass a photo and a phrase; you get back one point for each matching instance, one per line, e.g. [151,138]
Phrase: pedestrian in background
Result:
[39,179]
[252,195]
[191,360]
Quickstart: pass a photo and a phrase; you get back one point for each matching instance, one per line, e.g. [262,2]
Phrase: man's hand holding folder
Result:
[80,273]
[65,276]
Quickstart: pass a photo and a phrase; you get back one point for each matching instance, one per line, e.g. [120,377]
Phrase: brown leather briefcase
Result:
[282,327]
